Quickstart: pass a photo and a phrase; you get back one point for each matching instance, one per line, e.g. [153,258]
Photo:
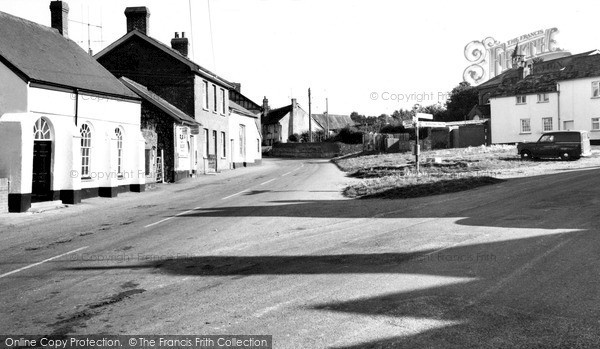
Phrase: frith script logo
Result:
[490,58]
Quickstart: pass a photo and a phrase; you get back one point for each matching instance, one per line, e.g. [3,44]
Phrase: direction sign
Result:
[431,124]
[424,116]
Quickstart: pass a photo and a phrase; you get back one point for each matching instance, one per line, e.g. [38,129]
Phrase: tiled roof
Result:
[40,54]
[160,103]
[241,110]
[176,54]
[336,122]
[275,115]
[546,75]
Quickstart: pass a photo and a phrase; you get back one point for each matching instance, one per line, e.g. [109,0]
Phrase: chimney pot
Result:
[138,18]
[59,17]
[180,44]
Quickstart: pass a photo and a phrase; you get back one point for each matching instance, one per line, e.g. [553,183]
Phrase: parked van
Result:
[568,145]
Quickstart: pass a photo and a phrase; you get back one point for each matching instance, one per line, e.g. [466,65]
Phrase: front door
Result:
[41,188]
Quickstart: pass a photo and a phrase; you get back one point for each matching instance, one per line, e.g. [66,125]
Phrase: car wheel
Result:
[565,156]
[526,155]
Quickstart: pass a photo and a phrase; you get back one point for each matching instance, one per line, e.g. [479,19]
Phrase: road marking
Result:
[42,262]
[232,195]
[285,174]
[269,181]
[168,218]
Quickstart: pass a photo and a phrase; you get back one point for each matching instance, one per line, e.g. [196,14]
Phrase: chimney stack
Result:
[59,17]
[237,86]
[180,44]
[265,106]
[138,18]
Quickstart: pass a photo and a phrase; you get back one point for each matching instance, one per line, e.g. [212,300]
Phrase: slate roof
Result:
[241,110]
[160,103]
[40,54]
[336,122]
[275,115]
[547,74]
[196,68]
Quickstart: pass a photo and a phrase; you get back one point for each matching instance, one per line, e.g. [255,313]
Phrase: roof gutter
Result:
[43,84]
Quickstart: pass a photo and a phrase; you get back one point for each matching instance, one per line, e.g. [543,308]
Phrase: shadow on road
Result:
[538,291]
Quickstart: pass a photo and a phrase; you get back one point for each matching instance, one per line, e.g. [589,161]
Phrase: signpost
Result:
[417,144]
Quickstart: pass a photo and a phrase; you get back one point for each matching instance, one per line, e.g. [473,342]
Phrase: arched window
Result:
[41,130]
[119,135]
[86,149]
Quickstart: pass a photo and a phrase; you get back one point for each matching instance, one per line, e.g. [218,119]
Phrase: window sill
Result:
[543,102]
[525,133]
[86,179]
[520,103]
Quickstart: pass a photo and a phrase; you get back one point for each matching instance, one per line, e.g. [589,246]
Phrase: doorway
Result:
[41,186]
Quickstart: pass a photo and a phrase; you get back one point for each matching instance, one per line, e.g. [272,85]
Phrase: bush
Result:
[349,136]
[295,138]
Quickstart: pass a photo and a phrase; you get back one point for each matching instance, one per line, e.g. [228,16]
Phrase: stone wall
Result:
[313,150]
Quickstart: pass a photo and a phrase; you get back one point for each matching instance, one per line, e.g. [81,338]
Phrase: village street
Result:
[277,250]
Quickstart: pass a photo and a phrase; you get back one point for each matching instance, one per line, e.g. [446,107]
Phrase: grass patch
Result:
[405,188]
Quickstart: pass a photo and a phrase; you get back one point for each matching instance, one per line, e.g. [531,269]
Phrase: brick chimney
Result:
[265,106]
[138,18]
[59,17]
[237,86]
[180,44]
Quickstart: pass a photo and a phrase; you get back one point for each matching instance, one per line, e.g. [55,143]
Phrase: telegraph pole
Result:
[327,114]
[417,144]
[310,137]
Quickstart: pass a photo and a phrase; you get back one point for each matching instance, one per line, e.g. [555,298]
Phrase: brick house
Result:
[169,134]
[170,74]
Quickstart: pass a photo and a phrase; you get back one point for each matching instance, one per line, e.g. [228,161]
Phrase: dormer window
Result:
[522,99]
[543,98]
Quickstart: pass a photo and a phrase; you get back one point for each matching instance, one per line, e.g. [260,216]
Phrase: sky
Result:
[355,53]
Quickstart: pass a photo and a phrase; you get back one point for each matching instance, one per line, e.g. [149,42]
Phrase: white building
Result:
[244,131]
[68,128]
[561,94]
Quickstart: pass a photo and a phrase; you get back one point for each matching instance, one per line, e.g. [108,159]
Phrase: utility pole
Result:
[327,114]
[417,144]
[310,137]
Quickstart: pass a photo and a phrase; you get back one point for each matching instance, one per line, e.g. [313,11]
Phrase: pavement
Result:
[278,250]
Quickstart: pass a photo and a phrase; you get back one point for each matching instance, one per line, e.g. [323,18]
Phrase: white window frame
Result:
[543,98]
[595,124]
[119,137]
[215,99]
[595,89]
[522,126]
[205,101]
[544,128]
[521,99]
[222,90]
[86,150]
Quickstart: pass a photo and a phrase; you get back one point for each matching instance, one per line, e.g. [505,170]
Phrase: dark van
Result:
[568,145]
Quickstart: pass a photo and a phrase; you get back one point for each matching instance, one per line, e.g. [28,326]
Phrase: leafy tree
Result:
[460,102]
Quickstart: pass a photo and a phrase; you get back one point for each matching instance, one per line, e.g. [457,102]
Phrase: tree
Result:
[460,102]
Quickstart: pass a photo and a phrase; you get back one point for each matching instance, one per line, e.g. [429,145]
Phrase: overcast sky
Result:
[345,50]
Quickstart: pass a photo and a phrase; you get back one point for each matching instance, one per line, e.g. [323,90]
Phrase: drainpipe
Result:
[76,105]
[558,103]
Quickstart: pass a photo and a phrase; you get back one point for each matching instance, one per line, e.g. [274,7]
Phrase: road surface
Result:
[277,250]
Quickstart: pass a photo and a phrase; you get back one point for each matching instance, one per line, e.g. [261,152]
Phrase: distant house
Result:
[69,129]
[246,138]
[170,74]
[279,124]
[559,94]
[167,132]
[333,123]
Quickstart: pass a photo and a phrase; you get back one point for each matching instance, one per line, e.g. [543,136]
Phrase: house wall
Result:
[253,154]
[507,114]
[212,121]
[578,105]
[13,92]
[103,115]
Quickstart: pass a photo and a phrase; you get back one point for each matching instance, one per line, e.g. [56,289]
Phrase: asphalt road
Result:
[277,250]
